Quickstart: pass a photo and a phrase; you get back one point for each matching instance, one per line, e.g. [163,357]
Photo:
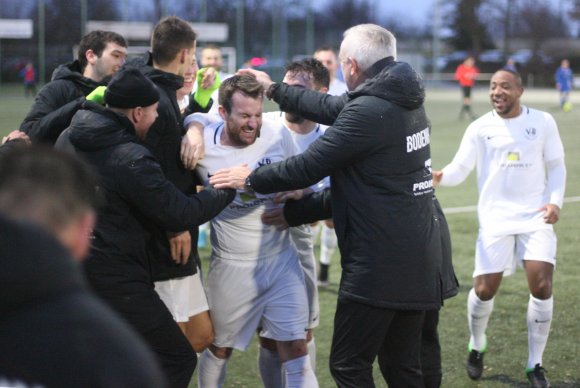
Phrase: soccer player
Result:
[101,54]
[327,56]
[466,74]
[255,277]
[176,262]
[521,179]
[564,83]
[308,74]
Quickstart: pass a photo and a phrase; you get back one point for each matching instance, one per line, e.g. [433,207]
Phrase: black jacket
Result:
[317,206]
[136,195]
[56,103]
[377,154]
[55,333]
[164,141]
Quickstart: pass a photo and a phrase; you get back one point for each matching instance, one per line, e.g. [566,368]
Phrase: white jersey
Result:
[511,156]
[302,141]
[238,232]
[337,87]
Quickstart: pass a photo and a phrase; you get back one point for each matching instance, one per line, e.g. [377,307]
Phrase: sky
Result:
[422,10]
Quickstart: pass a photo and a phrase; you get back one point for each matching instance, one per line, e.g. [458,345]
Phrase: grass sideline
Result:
[507,329]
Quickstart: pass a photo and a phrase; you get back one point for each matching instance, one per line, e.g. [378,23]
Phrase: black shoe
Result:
[537,377]
[474,364]
[323,275]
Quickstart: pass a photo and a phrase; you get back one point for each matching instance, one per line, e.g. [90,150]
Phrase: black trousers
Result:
[363,333]
[431,350]
[149,316]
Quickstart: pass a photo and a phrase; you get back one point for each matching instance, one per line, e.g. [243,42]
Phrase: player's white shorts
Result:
[302,239]
[244,293]
[495,254]
[184,297]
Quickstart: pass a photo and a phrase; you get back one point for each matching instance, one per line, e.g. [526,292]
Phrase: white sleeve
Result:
[204,119]
[553,148]
[556,171]
[464,161]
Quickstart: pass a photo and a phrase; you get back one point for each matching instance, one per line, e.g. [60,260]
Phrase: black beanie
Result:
[129,88]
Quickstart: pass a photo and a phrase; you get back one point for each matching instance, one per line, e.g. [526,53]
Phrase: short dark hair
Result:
[97,41]
[325,48]
[516,75]
[45,186]
[171,35]
[246,84]
[314,68]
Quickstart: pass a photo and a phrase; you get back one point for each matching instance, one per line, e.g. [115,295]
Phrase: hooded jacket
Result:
[136,196]
[56,103]
[55,332]
[164,141]
[378,157]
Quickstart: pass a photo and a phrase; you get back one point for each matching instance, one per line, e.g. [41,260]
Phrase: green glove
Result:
[98,95]
[202,96]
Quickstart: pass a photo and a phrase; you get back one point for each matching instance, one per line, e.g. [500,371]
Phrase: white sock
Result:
[539,321]
[478,313]
[211,371]
[328,242]
[312,353]
[270,368]
[299,374]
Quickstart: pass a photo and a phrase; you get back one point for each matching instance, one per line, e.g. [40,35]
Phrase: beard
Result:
[294,118]
[239,136]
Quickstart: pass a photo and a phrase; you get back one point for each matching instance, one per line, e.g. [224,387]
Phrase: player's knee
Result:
[223,353]
[293,349]
[542,289]
[484,292]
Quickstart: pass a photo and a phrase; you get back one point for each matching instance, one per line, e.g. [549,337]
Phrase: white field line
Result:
[468,209]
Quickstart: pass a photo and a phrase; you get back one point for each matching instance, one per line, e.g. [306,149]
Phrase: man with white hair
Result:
[377,154]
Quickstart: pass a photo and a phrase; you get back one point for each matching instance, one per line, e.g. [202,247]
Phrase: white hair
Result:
[368,43]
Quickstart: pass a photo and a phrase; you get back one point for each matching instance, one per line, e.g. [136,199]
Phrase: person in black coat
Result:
[377,154]
[101,54]
[318,206]
[55,331]
[136,195]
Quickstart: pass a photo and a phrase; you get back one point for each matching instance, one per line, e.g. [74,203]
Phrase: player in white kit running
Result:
[521,178]
[255,276]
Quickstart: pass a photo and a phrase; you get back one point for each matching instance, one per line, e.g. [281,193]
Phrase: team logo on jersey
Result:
[264,162]
[513,156]
[531,133]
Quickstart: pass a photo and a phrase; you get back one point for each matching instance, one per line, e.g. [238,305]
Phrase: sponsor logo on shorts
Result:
[418,140]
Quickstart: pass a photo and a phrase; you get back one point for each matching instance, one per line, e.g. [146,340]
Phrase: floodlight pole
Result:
[309,28]
[41,41]
[436,40]
[241,53]
[84,17]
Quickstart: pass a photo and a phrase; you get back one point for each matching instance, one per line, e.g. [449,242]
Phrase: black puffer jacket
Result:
[56,103]
[136,196]
[164,141]
[377,154]
[46,307]
[317,206]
